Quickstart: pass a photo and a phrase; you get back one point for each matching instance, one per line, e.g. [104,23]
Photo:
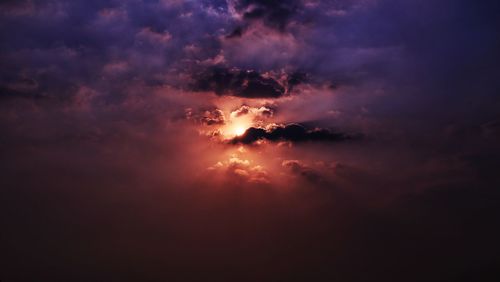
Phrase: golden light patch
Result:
[239,130]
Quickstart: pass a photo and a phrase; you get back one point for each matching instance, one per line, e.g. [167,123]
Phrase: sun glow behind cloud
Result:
[237,127]
[239,130]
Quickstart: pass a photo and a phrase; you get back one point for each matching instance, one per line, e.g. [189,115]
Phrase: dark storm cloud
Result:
[107,45]
[297,78]
[273,13]
[237,32]
[60,45]
[240,83]
[290,132]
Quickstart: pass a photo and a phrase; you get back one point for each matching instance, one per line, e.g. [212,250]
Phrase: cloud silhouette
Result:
[240,83]
[291,132]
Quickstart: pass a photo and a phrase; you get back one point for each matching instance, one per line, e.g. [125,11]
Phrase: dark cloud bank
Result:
[291,132]
[103,179]
[240,83]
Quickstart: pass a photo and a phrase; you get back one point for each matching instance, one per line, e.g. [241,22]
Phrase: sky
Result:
[249,140]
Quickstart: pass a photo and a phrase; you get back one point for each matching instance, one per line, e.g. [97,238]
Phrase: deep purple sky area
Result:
[371,150]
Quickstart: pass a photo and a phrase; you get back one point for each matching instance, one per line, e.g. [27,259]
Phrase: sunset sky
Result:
[249,140]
